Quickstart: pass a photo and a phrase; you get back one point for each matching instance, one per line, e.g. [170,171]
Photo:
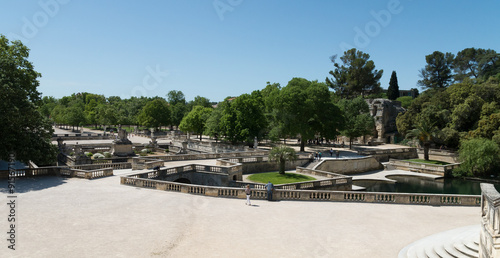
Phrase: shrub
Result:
[479,157]
[88,154]
[107,154]
[98,156]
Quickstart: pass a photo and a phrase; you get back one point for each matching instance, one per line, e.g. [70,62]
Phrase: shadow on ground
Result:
[29,184]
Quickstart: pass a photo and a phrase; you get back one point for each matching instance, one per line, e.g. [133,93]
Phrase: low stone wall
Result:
[82,171]
[261,164]
[87,174]
[197,174]
[384,155]
[441,155]
[180,157]
[212,147]
[308,195]
[489,239]
[440,170]
[80,136]
[350,166]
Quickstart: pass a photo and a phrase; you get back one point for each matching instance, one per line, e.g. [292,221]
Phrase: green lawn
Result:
[277,179]
[435,162]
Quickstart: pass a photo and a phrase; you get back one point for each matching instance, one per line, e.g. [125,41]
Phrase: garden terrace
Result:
[440,170]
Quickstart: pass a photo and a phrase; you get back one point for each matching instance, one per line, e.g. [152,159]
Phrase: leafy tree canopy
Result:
[356,76]
[437,72]
[24,131]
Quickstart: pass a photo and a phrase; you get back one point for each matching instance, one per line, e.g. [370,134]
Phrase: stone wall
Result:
[349,166]
[440,170]
[263,165]
[441,155]
[383,155]
[385,112]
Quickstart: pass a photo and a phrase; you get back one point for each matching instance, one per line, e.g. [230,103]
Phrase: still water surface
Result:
[413,184]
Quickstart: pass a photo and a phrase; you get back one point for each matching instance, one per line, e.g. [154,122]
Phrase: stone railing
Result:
[384,155]
[121,165]
[489,239]
[83,171]
[212,147]
[260,164]
[189,168]
[314,172]
[87,174]
[30,172]
[440,170]
[308,195]
[181,157]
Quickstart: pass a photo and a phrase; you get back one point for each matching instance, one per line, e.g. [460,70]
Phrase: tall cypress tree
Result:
[393,90]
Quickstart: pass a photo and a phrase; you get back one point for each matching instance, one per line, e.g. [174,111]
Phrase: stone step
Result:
[457,243]
[464,250]
[439,249]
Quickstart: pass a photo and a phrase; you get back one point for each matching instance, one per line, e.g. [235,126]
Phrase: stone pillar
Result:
[489,239]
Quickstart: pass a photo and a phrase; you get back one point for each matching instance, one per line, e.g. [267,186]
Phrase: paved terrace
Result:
[70,217]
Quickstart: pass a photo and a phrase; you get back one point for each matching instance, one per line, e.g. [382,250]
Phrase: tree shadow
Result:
[29,184]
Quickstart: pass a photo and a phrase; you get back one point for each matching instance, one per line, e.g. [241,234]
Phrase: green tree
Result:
[213,125]
[356,76]
[405,101]
[358,120]
[24,131]
[243,118]
[178,105]
[475,63]
[437,72]
[306,109]
[465,115]
[198,101]
[74,113]
[155,113]
[270,95]
[393,90]
[479,157]
[195,120]
[282,154]
[48,104]
[426,133]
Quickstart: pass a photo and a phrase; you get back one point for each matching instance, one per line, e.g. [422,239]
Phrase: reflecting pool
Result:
[414,184]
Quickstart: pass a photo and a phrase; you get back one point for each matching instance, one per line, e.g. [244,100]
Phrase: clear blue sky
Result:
[226,48]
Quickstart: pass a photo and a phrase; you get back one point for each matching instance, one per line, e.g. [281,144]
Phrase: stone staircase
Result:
[313,164]
[460,242]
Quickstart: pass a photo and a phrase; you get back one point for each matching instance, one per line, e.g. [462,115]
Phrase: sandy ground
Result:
[70,217]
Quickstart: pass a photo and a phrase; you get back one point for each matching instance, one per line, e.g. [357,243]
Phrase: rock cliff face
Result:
[385,112]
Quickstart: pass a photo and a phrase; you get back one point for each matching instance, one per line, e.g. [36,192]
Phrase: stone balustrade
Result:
[120,165]
[87,174]
[384,155]
[314,172]
[83,171]
[490,222]
[440,170]
[308,195]
[200,156]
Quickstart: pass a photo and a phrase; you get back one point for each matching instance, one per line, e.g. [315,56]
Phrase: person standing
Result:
[270,188]
[248,192]
[331,152]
